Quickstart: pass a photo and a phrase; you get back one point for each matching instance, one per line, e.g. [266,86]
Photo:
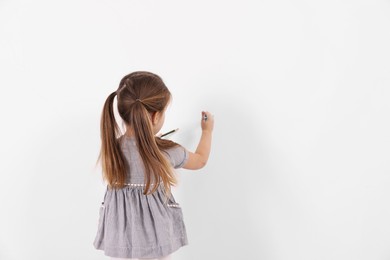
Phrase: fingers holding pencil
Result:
[207,122]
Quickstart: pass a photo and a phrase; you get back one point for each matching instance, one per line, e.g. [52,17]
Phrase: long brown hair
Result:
[151,90]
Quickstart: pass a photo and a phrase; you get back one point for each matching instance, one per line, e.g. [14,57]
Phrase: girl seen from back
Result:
[139,217]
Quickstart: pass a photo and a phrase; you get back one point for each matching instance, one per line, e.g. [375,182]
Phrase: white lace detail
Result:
[175,205]
[138,184]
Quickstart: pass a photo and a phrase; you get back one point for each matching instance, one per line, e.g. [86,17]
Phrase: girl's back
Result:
[178,156]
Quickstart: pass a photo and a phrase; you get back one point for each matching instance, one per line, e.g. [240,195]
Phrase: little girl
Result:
[139,217]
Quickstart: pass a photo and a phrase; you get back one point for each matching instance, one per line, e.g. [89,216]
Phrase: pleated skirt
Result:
[134,225]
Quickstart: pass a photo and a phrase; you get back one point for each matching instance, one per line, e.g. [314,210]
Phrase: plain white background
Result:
[300,90]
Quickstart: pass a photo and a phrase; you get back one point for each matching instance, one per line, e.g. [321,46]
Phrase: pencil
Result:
[169,132]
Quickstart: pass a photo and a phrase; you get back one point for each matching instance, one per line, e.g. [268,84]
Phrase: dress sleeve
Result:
[178,156]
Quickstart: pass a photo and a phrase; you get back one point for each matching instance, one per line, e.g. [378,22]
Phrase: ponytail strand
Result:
[113,161]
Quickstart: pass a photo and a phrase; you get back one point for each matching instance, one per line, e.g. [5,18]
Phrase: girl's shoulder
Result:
[178,155]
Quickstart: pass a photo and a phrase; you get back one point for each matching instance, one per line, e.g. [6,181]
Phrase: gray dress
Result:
[133,225]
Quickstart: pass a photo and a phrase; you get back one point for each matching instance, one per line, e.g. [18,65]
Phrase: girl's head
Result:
[142,99]
[140,95]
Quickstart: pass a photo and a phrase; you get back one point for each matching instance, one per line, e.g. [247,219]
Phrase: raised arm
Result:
[199,159]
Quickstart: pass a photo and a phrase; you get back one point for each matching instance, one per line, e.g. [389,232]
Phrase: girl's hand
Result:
[207,124]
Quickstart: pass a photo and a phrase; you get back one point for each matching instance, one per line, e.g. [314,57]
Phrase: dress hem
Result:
[143,252]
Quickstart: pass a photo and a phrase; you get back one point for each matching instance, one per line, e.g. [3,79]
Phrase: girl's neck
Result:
[129,133]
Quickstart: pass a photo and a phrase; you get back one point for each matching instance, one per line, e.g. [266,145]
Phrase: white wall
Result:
[300,90]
